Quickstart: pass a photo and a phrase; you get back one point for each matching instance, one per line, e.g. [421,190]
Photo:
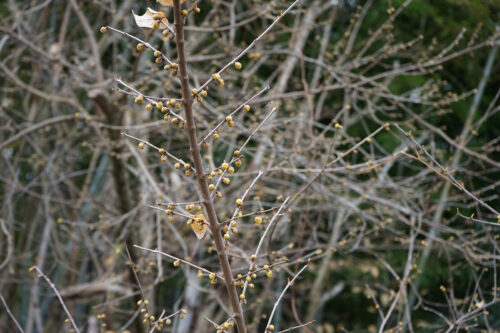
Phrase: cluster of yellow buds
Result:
[229,121]
[218,79]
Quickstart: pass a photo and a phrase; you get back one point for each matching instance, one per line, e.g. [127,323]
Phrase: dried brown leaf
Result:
[199,226]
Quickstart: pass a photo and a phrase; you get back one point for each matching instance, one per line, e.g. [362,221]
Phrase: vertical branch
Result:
[200,174]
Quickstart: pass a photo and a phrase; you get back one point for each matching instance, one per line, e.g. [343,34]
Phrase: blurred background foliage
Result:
[439,22]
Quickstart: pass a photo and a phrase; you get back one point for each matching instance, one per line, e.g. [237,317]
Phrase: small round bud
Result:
[204,93]
[239,202]
[200,274]
[218,194]
[211,276]
[141,145]
[163,158]
[224,166]
[270,328]
[229,118]
[242,296]
[187,166]
[167,67]
[177,165]
[230,170]
[253,257]
[139,99]
[157,54]
[184,12]
[159,105]
[226,236]
[211,187]
[233,223]
[220,83]
[176,263]
[237,65]
[269,274]
[187,173]
[226,181]
[103,30]
[216,77]
[258,220]
[165,32]
[246,108]
[194,91]
[238,163]
[140,47]
[196,10]
[230,124]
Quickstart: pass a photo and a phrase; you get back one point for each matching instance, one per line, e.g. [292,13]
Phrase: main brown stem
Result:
[200,174]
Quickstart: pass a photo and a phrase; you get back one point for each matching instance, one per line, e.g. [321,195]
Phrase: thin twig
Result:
[41,274]
[281,296]
[242,53]
[146,44]
[10,314]
[297,327]
[181,260]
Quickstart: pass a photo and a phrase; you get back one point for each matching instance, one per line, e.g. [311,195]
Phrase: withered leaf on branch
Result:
[147,20]
[199,226]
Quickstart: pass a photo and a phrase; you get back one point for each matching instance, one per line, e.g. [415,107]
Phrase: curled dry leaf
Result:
[169,3]
[199,226]
[147,20]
